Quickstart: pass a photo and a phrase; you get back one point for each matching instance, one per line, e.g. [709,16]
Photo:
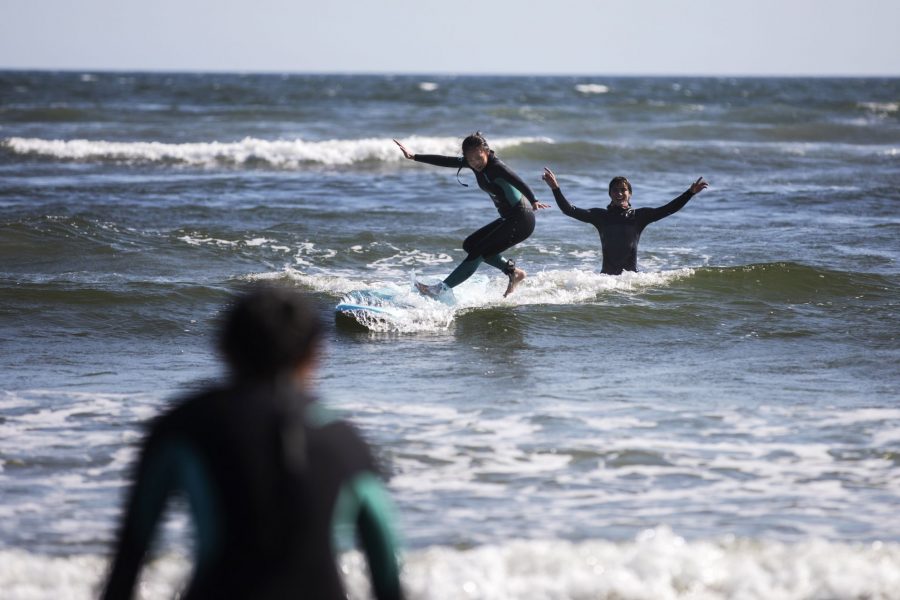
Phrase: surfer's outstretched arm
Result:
[433,159]
[567,209]
[678,203]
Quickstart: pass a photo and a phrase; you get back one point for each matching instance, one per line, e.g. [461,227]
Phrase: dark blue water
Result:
[744,383]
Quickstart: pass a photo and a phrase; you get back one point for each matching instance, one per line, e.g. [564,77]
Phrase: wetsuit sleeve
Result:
[655,214]
[569,210]
[440,161]
[516,182]
[363,510]
[377,537]
[153,484]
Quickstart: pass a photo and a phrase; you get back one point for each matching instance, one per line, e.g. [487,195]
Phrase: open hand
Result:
[698,186]
[405,152]
[550,179]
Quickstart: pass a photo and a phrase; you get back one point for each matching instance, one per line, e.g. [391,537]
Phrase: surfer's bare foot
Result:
[515,278]
[432,291]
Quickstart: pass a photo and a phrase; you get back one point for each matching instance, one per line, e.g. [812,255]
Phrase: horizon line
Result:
[224,71]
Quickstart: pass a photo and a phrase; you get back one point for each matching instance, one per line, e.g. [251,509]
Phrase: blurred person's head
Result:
[270,331]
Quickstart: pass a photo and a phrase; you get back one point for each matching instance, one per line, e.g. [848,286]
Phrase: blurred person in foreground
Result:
[270,477]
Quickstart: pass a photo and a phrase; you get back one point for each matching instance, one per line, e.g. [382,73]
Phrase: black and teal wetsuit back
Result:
[267,477]
[620,230]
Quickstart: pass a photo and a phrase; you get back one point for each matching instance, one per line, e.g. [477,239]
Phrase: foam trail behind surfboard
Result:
[481,291]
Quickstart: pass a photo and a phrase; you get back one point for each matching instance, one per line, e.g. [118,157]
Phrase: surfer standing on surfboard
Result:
[514,201]
[619,225]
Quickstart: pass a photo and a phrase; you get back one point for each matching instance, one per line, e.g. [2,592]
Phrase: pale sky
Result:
[624,37]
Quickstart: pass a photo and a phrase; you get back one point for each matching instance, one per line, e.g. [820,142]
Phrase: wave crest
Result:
[286,154]
[592,88]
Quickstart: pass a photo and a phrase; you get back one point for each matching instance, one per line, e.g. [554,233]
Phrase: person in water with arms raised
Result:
[514,201]
[271,478]
[619,225]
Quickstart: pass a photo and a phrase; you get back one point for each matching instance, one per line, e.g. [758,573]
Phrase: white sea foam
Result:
[195,240]
[592,88]
[256,242]
[553,287]
[731,465]
[289,154]
[402,260]
[66,450]
[657,564]
[881,108]
[428,86]
[329,283]
[303,254]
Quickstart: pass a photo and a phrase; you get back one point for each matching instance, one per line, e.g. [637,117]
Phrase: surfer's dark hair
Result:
[268,331]
[617,180]
[475,141]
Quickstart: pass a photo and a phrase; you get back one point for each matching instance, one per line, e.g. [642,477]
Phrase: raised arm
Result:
[655,214]
[566,208]
[433,159]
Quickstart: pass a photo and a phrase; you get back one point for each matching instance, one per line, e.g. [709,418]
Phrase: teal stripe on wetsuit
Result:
[164,469]
[467,268]
[175,466]
[364,502]
[192,474]
[511,192]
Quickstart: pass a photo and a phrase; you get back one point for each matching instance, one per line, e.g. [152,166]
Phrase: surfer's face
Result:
[620,194]
[476,158]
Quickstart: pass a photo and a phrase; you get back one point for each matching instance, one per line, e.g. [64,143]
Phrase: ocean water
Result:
[723,424]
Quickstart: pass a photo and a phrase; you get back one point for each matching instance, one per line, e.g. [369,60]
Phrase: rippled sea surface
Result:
[724,422]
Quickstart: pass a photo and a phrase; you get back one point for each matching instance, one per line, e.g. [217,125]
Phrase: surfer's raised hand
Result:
[405,152]
[550,179]
[698,186]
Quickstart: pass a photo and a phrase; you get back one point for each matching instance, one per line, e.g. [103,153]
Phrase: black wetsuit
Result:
[511,196]
[267,476]
[620,230]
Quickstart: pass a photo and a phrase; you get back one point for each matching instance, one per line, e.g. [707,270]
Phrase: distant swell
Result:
[791,281]
[249,151]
